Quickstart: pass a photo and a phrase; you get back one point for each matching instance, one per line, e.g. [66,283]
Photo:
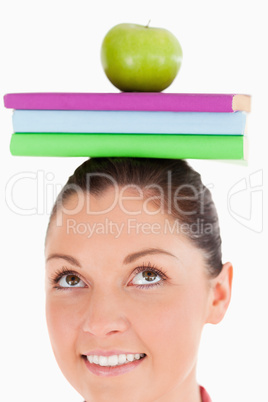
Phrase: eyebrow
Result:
[127,260]
[67,258]
[149,251]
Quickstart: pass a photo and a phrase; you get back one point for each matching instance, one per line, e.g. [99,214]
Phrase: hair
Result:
[185,197]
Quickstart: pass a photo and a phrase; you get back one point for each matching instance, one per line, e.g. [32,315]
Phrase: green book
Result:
[129,145]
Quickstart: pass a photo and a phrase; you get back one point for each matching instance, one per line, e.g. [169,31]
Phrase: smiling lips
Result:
[107,364]
[114,360]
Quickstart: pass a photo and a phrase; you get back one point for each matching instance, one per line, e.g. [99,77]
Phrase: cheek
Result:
[171,330]
[62,323]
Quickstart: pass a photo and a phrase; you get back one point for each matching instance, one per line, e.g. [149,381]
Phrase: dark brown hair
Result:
[186,199]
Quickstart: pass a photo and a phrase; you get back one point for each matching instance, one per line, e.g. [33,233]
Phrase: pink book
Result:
[131,101]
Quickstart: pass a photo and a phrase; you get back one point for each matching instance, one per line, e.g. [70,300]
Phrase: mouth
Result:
[114,364]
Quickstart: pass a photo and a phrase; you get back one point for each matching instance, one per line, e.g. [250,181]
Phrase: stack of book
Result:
[129,124]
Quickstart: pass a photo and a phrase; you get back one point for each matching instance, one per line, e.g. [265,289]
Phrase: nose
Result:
[105,314]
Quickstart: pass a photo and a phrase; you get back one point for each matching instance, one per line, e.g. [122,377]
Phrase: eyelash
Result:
[144,267]
[151,267]
[54,280]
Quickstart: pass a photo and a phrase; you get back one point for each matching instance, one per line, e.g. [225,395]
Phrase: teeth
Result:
[122,359]
[130,358]
[103,361]
[114,360]
[96,359]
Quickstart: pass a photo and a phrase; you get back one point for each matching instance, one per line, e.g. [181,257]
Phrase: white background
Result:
[54,46]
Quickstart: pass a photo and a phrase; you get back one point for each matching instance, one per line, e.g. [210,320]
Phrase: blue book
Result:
[142,122]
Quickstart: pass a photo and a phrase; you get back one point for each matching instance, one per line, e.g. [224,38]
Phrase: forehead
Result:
[115,203]
[115,224]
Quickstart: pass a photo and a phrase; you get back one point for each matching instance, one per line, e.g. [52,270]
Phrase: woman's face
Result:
[121,282]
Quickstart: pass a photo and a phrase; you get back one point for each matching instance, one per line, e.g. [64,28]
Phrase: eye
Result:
[71,281]
[147,276]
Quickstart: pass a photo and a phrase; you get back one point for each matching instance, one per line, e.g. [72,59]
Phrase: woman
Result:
[133,273]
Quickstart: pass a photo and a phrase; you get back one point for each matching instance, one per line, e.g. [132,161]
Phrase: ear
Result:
[221,287]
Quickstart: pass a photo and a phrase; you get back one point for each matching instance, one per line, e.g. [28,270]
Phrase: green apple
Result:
[140,58]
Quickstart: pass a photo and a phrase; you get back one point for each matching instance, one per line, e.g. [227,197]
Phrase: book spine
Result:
[129,122]
[123,145]
[147,101]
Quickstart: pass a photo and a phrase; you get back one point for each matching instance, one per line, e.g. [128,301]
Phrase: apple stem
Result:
[147,26]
